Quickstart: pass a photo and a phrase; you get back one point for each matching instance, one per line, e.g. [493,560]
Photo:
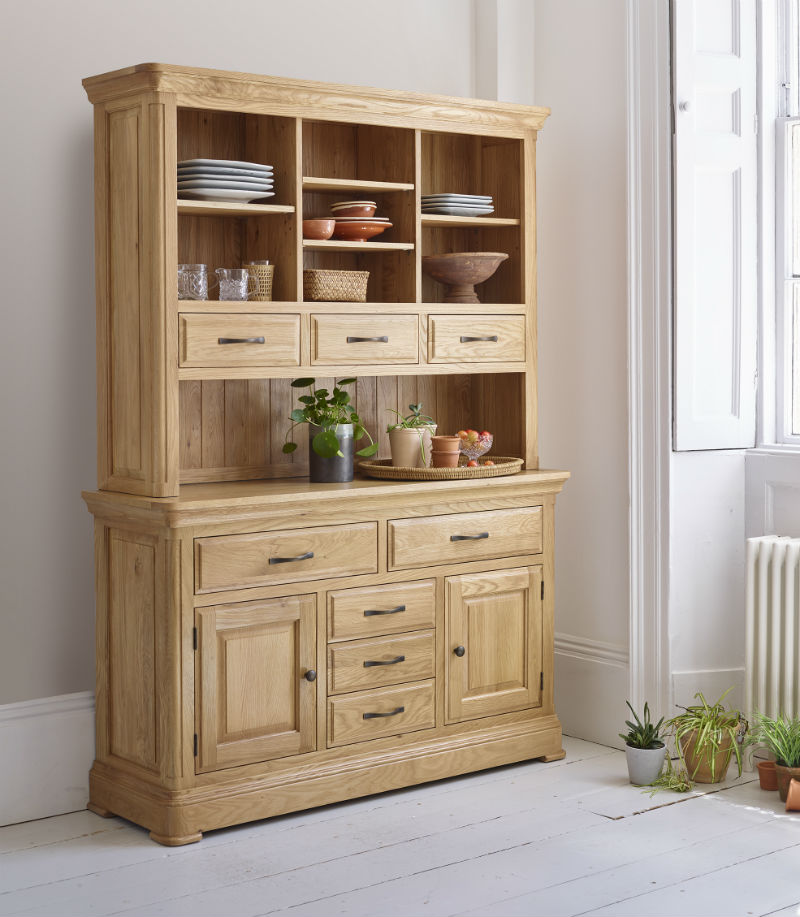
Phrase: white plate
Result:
[213,180]
[223,163]
[221,194]
[203,184]
[450,211]
[457,197]
[224,172]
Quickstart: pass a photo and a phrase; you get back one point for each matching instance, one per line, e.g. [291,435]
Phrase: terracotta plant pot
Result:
[767,777]
[793,796]
[698,766]
[411,446]
[644,764]
[784,776]
[445,459]
[446,444]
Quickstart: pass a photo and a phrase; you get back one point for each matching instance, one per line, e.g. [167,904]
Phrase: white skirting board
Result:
[46,750]
[592,683]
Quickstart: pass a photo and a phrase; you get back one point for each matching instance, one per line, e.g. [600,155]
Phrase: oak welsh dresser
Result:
[391,646]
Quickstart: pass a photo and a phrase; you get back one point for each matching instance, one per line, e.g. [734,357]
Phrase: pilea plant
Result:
[327,410]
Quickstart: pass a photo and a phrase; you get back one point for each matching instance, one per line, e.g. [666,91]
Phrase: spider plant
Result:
[415,420]
[710,734]
[780,735]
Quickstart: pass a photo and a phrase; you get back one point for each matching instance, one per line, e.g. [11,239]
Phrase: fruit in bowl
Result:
[474,444]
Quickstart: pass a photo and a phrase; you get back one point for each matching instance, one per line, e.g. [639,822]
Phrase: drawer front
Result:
[355,339]
[375,663]
[464,537]
[352,717]
[241,561]
[377,610]
[239,340]
[456,338]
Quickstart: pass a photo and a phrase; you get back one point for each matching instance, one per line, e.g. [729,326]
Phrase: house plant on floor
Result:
[410,438]
[333,427]
[707,737]
[781,736]
[644,747]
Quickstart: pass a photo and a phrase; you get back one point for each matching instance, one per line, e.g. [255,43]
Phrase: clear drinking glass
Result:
[233,283]
[192,281]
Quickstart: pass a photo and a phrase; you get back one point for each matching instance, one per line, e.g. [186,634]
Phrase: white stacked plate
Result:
[464,205]
[224,180]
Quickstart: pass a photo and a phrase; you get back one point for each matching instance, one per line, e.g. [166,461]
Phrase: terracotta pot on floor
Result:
[784,775]
[699,767]
[793,796]
[767,777]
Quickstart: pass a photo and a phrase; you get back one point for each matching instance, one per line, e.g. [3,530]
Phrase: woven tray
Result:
[383,468]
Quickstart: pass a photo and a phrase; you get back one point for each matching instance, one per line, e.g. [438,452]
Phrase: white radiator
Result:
[772,666]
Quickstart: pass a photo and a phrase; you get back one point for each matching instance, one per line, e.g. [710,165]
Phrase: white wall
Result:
[581,157]
[47,452]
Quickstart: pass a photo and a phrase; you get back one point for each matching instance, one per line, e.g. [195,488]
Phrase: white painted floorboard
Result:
[566,838]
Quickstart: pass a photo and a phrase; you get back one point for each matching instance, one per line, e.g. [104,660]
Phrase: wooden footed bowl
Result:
[460,271]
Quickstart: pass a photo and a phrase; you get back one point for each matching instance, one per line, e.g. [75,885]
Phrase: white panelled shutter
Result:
[714,86]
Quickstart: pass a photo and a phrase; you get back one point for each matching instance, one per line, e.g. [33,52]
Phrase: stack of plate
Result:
[224,180]
[458,205]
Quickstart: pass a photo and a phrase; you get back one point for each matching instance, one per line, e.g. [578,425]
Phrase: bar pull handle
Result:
[240,340]
[290,560]
[467,339]
[374,716]
[383,339]
[371,612]
[371,662]
[477,537]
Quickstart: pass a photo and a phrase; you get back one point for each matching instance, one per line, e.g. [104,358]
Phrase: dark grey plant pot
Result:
[338,469]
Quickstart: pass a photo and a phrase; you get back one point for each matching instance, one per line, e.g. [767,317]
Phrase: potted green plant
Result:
[707,736]
[333,427]
[781,736]
[644,747]
[410,438]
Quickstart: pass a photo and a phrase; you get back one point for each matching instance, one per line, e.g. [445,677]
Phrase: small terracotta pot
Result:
[445,459]
[446,444]
[793,796]
[767,776]
[785,775]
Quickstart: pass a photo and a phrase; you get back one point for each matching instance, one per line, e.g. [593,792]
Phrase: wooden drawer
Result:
[377,610]
[407,708]
[494,339]
[241,561]
[464,536]
[354,339]
[375,663]
[261,340]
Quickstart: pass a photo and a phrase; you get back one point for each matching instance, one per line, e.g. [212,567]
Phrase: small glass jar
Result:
[192,281]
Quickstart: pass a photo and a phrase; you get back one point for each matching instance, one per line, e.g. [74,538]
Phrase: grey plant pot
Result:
[644,764]
[338,469]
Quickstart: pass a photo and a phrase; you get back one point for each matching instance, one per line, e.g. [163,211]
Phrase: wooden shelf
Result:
[348,184]
[441,219]
[230,208]
[338,245]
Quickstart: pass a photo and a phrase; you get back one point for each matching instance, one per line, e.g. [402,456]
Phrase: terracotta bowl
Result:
[360,231]
[460,271]
[354,209]
[318,230]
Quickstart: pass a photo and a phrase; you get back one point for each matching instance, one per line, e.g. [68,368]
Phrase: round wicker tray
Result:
[383,468]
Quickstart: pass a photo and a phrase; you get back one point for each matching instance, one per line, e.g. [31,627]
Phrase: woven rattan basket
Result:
[383,468]
[261,276]
[335,286]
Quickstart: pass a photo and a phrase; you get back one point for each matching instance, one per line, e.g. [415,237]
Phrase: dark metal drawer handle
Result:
[374,716]
[240,340]
[469,537]
[466,339]
[370,662]
[371,612]
[379,340]
[290,560]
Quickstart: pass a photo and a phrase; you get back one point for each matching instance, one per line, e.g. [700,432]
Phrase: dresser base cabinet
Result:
[274,695]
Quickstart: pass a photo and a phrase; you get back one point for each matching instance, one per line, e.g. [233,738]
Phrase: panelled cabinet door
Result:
[254,700]
[494,643]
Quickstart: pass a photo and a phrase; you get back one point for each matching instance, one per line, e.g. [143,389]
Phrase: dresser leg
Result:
[179,841]
[556,757]
[99,810]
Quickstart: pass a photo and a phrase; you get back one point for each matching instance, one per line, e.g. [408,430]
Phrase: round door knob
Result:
[459,651]
[310,675]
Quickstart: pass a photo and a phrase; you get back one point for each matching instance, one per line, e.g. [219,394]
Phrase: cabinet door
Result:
[496,619]
[254,701]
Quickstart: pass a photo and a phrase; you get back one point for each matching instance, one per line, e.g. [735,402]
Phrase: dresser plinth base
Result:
[176,817]
[558,756]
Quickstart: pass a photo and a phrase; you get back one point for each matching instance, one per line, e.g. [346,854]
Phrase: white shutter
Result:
[714,84]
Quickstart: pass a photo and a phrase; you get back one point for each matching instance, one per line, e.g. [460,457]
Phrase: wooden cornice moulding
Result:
[199,87]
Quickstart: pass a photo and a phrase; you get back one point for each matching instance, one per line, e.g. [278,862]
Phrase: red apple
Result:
[462,434]
[488,462]
[472,464]
[472,436]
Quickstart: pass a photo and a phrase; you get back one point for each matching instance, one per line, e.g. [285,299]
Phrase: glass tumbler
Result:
[192,281]
[233,283]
